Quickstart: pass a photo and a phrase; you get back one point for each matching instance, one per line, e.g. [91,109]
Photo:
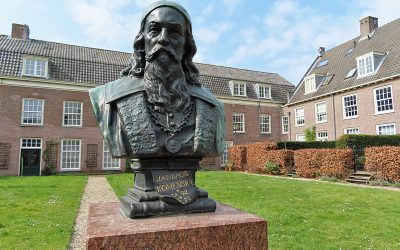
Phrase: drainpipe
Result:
[334,115]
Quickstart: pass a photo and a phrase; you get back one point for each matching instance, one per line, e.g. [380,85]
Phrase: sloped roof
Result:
[385,39]
[98,66]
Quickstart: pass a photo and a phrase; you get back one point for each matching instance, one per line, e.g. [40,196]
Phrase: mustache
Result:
[158,49]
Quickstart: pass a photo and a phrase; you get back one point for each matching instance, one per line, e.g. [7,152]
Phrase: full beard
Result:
[165,83]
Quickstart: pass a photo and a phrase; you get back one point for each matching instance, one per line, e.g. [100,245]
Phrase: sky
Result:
[281,36]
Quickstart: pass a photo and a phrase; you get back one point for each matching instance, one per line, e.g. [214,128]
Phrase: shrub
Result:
[385,161]
[363,141]
[237,157]
[311,163]
[296,145]
[310,134]
[255,155]
[271,167]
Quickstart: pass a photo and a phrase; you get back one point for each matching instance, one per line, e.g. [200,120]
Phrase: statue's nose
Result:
[163,40]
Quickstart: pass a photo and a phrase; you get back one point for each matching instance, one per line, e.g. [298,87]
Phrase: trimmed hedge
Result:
[237,157]
[255,155]
[311,163]
[363,141]
[385,161]
[296,145]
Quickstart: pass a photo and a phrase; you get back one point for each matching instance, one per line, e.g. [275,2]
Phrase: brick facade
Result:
[366,121]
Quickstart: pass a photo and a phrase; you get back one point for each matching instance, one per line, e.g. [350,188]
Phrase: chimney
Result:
[20,31]
[368,25]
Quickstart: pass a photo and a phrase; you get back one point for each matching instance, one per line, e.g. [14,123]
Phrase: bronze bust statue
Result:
[158,114]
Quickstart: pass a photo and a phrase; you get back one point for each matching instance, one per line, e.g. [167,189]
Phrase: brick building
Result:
[46,115]
[353,88]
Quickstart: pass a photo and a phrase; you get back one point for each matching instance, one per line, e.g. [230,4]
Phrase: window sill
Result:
[301,125]
[321,122]
[71,126]
[285,133]
[239,132]
[70,170]
[265,133]
[350,117]
[31,125]
[384,112]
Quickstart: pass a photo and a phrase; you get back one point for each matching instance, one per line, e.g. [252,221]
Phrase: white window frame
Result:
[300,137]
[386,125]
[27,59]
[355,130]
[299,118]
[26,111]
[26,146]
[239,88]
[285,131]
[108,159]
[321,116]
[72,114]
[322,138]
[376,100]
[263,91]
[266,125]
[243,122]
[365,65]
[309,84]
[224,156]
[344,106]
[62,168]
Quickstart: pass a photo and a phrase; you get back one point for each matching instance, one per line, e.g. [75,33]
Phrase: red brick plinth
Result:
[227,228]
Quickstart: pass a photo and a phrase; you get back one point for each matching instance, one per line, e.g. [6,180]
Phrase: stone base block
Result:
[227,228]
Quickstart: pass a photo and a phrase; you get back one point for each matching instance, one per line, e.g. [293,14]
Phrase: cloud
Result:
[384,10]
[104,22]
[212,34]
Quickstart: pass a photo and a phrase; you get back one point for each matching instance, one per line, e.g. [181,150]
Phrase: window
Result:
[224,156]
[383,100]
[264,91]
[34,67]
[71,154]
[299,116]
[238,88]
[351,131]
[32,111]
[322,63]
[265,124]
[285,124]
[108,161]
[300,137]
[320,112]
[369,63]
[327,79]
[322,136]
[72,114]
[351,73]
[309,84]
[31,143]
[238,123]
[386,129]
[365,65]
[350,106]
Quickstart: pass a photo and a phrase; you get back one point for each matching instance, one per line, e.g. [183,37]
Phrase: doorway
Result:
[31,152]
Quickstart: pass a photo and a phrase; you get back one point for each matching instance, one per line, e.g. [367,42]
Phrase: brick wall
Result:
[366,121]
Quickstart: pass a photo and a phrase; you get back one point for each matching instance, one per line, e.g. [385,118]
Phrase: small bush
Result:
[271,167]
[385,161]
[310,134]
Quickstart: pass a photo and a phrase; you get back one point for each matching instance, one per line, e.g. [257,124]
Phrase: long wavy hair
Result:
[138,61]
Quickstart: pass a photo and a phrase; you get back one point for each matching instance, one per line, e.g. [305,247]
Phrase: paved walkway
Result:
[97,190]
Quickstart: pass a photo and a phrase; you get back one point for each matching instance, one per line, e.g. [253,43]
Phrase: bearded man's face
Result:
[164,39]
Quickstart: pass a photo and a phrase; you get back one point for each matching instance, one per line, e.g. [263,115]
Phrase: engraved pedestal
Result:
[165,186]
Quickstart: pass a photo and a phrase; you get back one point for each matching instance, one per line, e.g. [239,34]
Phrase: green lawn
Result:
[38,212]
[303,214]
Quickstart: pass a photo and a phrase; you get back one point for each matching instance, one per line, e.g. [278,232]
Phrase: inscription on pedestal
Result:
[175,187]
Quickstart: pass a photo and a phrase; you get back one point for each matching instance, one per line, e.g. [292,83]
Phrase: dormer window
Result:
[238,88]
[368,64]
[263,91]
[35,66]
[309,84]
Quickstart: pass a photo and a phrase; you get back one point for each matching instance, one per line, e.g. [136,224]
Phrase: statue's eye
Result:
[175,31]
[153,29]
